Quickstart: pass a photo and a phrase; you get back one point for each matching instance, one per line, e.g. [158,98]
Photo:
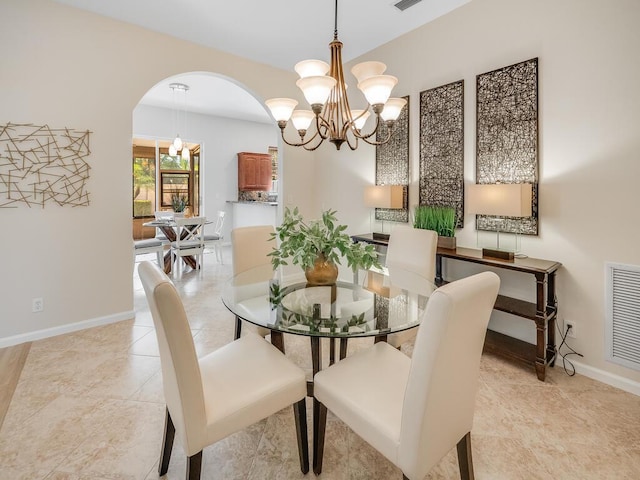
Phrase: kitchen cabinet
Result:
[254,171]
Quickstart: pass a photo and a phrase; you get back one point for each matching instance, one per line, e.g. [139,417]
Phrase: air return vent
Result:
[623,314]
[404,4]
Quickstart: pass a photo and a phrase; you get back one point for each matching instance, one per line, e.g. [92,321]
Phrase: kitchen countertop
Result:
[247,202]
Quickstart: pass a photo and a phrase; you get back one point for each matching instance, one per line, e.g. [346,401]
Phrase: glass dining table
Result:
[373,303]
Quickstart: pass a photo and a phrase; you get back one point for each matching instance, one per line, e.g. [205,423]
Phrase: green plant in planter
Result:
[179,201]
[440,219]
[304,242]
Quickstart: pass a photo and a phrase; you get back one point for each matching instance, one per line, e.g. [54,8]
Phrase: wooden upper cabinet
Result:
[254,171]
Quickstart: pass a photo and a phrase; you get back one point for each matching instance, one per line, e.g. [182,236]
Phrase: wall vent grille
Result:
[404,4]
[623,314]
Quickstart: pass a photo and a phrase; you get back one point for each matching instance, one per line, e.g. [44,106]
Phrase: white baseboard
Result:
[605,377]
[68,328]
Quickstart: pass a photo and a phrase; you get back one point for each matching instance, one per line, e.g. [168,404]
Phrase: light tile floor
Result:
[89,406]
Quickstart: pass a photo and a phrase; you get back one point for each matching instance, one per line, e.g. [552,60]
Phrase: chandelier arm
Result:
[365,136]
[303,143]
[353,145]
[377,142]
[323,128]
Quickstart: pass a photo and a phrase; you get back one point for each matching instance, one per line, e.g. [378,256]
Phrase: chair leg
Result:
[319,426]
[300,414]
[167,444]
[465,461]
[238,328]
[194,466]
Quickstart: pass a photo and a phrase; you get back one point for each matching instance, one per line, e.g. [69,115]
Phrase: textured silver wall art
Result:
[507,137]
[40,165]
[442,148]
[392,164]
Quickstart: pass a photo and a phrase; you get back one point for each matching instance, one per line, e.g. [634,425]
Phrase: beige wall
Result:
[68,68]
[589,140]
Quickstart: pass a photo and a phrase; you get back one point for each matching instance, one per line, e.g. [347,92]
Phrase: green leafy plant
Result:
[440,219]
[179,201]
[303,242]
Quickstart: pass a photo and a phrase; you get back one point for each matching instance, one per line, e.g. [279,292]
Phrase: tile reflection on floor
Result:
[89,405]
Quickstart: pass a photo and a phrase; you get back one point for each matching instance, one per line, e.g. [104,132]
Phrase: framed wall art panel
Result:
[442,148]
[507,137]
[392,164]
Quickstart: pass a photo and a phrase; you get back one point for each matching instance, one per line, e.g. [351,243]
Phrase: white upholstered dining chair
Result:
[411,250]
[415,410]
[250,247]
[226,391]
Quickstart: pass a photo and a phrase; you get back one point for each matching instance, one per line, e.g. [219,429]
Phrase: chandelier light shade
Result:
[325,90]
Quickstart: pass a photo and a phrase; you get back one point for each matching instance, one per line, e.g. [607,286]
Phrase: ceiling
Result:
[275,32]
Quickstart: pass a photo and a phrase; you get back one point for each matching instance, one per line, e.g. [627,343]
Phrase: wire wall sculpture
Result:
[507,137]
[442,148]
[392,165]
[40,165]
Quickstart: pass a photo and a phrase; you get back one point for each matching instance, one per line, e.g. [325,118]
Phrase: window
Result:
[159,178]
[144,181]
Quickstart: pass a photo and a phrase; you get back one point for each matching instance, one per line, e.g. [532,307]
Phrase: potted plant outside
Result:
[442,220]
[317,246]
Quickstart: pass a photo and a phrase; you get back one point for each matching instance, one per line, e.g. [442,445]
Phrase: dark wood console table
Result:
[543,312]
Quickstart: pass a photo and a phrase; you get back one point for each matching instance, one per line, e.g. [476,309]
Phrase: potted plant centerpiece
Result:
[179,202]
[317,246]
[442,220]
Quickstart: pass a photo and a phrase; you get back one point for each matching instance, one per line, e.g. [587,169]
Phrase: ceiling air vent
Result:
[404,4]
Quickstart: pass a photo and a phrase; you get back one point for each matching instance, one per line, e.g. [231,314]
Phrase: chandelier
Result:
[178,146]
[325,90]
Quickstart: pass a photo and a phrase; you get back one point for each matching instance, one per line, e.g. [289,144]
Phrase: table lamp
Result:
[500,200]
[384,196]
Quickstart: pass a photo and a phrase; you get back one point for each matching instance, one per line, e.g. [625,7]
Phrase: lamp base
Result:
[499,254]
[380,236]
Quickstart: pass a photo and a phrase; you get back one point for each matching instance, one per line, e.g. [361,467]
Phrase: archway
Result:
[222,116]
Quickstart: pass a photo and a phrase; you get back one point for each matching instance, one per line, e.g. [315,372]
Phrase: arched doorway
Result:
[218,117]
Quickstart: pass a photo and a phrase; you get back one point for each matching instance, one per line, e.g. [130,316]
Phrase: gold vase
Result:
[323,272]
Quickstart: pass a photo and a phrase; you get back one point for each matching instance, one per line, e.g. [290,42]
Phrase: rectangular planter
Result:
[447,242]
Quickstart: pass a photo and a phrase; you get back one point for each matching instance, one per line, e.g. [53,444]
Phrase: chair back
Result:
[190,234]
[219,224]
[413,250]
[250,247]
[165,215]
[443,378]
[180,369]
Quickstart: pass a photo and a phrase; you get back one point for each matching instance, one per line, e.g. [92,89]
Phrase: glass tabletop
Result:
[373,303]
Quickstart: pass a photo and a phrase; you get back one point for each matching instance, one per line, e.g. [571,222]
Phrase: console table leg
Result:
[541,359]
[552,303]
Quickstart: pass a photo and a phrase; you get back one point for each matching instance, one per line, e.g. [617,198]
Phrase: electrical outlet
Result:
[37,305]
[568,324]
